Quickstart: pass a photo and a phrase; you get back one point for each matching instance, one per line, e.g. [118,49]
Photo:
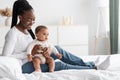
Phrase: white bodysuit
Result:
[43,45]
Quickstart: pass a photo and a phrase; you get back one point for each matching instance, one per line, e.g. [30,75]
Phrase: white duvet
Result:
[75,75]
[10,69]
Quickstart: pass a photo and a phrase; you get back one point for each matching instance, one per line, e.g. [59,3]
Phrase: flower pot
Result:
[8,21]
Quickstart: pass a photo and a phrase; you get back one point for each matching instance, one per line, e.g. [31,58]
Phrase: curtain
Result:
[114,21]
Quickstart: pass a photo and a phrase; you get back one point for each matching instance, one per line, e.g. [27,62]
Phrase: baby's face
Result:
[42,35]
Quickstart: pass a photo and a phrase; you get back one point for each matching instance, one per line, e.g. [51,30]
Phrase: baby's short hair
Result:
[40,27]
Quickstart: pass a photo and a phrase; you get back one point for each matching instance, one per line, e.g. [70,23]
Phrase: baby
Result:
[38,58]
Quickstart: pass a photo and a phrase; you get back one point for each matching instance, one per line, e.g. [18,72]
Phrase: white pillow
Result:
[10,68]
[114,62]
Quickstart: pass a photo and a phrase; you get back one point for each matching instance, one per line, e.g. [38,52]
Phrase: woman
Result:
[20,35]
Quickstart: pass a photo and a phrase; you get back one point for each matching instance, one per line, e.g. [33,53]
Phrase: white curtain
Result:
[103,17]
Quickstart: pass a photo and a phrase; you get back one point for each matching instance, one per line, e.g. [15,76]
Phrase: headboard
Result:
[3,31]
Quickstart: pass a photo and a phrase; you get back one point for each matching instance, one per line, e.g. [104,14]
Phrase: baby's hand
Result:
[59,56]
[29,58]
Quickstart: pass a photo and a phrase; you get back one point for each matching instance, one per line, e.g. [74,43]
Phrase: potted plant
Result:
[7,12]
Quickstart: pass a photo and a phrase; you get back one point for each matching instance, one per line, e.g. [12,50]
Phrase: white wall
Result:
[51,12]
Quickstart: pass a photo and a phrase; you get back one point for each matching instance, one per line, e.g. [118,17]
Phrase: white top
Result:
[43,45]
[16,44]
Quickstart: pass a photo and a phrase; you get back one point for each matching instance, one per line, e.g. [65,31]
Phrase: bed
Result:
[111,73]
[10,69]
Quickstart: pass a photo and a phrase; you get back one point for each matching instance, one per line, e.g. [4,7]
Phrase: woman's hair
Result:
[38,28]
[19,7]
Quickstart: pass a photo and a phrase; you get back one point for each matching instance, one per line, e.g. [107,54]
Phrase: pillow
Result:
[114,62]
[10,68]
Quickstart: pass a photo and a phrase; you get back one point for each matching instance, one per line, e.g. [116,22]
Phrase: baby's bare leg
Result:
[51,64]
[36,63]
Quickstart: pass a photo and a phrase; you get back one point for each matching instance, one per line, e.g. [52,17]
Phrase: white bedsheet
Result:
[75,75]
[111,73]
[10,70]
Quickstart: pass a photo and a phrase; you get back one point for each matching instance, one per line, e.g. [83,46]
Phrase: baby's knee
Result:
[36,60]
[50,60]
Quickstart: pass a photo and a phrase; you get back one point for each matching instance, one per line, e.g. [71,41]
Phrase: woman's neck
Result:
[21,28]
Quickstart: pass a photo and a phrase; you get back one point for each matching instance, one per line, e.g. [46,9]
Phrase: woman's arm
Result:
[9,46]
[10,41]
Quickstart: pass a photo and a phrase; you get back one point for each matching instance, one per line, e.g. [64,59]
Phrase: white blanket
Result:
[111,73]
[10,70]
[75,75]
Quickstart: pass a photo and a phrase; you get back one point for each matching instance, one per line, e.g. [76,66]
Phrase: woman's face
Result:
[27,19]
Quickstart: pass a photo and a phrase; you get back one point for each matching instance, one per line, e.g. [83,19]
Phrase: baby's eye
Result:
[44,34]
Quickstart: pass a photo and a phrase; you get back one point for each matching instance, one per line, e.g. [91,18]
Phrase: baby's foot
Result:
[105,64]
[51,70]
[37,70]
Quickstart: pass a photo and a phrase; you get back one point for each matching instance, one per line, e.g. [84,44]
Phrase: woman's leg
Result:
[28,67]
[64,66]
[69,57]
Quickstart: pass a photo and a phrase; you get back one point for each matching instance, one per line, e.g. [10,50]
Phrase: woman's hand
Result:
[35,49]
[29,57]
[46,52]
